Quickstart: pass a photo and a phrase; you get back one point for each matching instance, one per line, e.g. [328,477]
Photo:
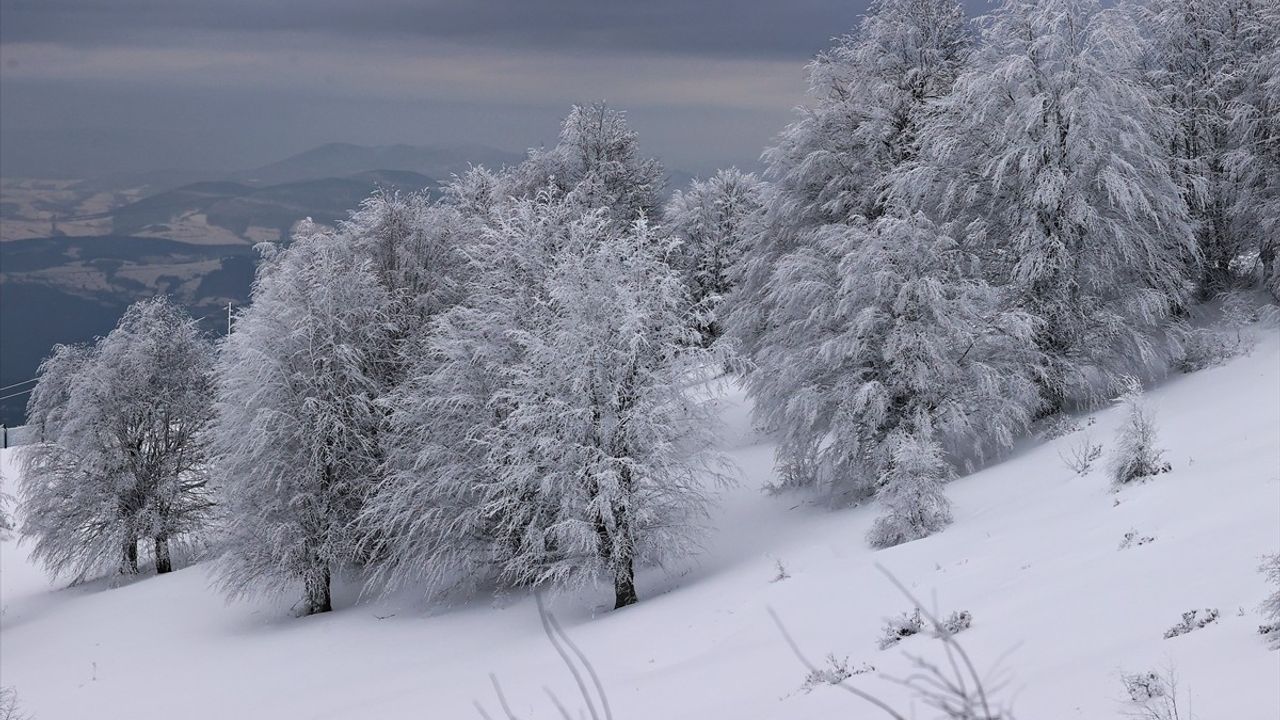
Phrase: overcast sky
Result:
[95,86]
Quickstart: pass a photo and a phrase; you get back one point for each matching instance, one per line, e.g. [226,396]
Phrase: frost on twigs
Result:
[1153,695]
[782,573]
[1136,455]
[1192,620]
[1080,455]
[1271,606]
[899,628]
[905,625]
[834,672]
[1133,539]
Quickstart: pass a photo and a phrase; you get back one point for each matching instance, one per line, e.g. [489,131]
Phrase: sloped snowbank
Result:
[1033,555]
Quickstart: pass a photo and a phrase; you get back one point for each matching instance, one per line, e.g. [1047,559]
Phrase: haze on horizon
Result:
[94,87]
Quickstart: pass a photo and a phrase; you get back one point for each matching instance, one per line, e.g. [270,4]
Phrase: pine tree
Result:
[295,440]
[715,220]
[1052,153]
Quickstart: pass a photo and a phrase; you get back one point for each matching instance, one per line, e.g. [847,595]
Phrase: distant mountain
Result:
[345,159]
[234,210]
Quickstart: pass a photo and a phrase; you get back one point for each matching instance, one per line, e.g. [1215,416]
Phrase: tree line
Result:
[971,225]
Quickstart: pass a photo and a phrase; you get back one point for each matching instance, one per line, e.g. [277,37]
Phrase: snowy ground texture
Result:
[1034,555]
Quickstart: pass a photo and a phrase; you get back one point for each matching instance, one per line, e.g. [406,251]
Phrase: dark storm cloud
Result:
[768,28]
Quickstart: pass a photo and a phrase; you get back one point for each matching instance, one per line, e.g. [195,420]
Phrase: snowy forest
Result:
[973,229]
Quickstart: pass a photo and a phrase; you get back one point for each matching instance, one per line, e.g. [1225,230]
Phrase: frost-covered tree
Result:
[885,333]
[1271,606]
[868,97]
[415,245]
[1203,59]
[1137,454]
[1256,119]
[715,220]
[46,406]
[598,159]
[912,497]
[123,456]
[548,436]
[295,440]
[1053,155]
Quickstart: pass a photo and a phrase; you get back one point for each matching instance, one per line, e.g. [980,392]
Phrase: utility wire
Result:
[24,382]
[14,395]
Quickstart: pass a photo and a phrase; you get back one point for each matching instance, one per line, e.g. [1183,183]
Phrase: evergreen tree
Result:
[295,440]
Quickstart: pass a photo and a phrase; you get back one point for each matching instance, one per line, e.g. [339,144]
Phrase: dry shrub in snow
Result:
[1136,455]
[1192,620]
[834,672]
[899,628]
[1271,606]
[9,709]
[1133,539]
[1153,696]
[958,691]
[1080,456]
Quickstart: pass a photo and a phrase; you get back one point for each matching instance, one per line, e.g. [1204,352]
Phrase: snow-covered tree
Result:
[1137,454]
[598,159]
[1256,120]
[885,332]
[46,406]
[122,457]
[1203,57]
[715,220]
[1053,155]
[295,440]
[1271,606]
[868,97]
[415,246]
[912,497]
[548,436]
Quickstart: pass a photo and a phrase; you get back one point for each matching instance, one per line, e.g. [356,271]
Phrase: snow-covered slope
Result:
[1033,555]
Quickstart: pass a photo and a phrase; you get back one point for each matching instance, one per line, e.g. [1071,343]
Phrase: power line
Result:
[14,395]
[24,382]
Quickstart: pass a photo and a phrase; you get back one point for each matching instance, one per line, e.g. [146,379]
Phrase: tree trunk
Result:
[317,587]
[129,557]
[624,584]
[163,563]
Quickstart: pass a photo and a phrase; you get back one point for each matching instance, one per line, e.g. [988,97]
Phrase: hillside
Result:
[1034,555]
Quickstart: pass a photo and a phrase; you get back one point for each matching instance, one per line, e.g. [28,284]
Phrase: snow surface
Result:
[1033,555]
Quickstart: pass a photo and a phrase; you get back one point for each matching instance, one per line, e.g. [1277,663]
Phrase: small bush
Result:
[1192,620]
[1080,456]
[1133,539]
[834,672]
[1136,455]
[957,622]
[782,573]
[901,627]
[1271,606]
[1153,696]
